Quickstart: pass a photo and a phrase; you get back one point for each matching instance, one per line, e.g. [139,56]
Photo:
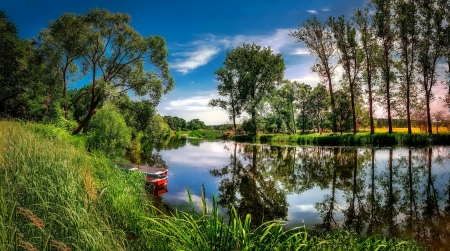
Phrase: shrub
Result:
[109,132]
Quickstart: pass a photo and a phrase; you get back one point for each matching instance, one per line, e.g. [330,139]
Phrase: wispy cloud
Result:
[201,51]
[301,51]
[312,11]
[325,10]
[188,61]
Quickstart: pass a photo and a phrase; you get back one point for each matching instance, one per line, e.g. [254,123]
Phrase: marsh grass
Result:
[54,196]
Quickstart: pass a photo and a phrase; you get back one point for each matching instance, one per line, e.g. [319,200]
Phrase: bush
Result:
[109,132]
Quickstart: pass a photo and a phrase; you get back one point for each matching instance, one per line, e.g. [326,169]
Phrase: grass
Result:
[203,134]
[349,139]
[54,195]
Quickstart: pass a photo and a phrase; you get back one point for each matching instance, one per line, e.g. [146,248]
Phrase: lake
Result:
[391,191]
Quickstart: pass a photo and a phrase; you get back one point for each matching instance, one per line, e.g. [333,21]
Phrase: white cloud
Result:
[201,51]
[195,107]
[194,59]
[301,51]
[304,208]
[325,10]
[312,11]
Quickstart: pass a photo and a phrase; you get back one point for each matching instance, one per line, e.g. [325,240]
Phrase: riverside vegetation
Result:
[55,195]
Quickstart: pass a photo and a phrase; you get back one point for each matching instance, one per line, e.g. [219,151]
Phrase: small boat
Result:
[156,177]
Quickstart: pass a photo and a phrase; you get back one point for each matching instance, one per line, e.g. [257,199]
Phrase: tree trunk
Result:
[387,72]
[429,125]
[352,96]
[333,106]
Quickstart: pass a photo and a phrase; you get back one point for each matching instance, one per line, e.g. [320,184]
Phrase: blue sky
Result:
[198,34]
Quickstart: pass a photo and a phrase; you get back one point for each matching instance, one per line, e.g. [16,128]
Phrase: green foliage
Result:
[118,69]
[27,87]
[175,123]
[251,72]
[157,130]
[108,132]
[195,124]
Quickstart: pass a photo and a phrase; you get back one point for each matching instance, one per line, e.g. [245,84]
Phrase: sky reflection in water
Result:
[405,192]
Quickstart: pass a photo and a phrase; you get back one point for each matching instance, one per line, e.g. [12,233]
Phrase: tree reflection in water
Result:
[384,191]
[252,188]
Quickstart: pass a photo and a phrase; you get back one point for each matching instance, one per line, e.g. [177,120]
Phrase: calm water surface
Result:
[393,191]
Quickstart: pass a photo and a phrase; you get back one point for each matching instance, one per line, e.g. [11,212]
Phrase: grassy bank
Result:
[54,195]
[359,139]
[201,134]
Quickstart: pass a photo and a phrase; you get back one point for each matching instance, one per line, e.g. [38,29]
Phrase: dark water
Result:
[389,191]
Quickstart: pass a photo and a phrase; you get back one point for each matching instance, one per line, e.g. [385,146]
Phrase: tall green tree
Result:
[257,71]
[304,105]
[431,47]
[318,37]
[113,54]
[289,94]
[406,22]
[228,88]
[318,103]
[62,45]
[26,84]
[363,23]
[382,21]
[350,57]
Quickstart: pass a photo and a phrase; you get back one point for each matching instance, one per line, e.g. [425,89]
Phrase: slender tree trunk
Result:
[369,84]
[430,130]
[66,115]
[333,104]
[387,71]
[352,96]
[293,118]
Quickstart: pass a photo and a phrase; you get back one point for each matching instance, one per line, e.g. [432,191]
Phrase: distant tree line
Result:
[389,53]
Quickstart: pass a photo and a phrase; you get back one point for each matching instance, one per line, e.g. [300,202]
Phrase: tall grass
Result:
[206,230]
[55,196]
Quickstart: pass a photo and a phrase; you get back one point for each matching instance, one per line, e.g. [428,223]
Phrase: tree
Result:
[62,45]
[157,130]
[369,47]
[113,53]
[319,40]
[228,88]
[406,29]
[303,105]
[318,102]
[430,48]
[195,124]
[109,132]
[438,117]
[382,21]
[350,57]
[257,71]
[343,110]
[27,87]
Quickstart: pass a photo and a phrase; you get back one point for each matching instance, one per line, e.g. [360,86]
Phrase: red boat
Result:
[156,177]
